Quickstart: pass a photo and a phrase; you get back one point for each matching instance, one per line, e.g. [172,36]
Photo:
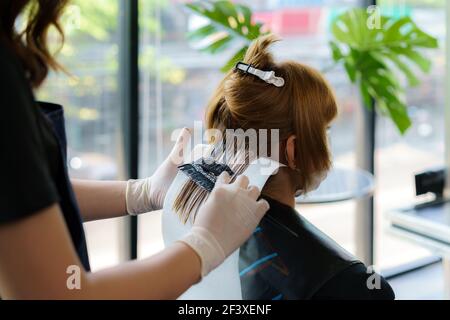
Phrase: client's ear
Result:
[290,152]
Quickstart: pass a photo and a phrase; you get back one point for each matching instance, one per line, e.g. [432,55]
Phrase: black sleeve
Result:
[26,185]
[354,283]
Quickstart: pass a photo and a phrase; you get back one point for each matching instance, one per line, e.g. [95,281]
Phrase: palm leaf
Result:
[228,24]
[374,58]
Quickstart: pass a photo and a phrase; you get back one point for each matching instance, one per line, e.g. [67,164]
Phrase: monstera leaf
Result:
[375,54]
[227,23]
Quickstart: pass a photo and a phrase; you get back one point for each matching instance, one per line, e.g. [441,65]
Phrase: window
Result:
[399,158]
[89,95]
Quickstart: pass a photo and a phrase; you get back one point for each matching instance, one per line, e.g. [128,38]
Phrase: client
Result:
[287,257]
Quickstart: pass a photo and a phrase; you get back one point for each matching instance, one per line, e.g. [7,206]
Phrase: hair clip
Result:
[204,172]
[267,76]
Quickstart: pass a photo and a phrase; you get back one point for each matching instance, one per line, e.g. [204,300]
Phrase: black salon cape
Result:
[287,258]
[33,166]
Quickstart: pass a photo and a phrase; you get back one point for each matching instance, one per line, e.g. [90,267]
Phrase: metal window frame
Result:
[129,93]
[365,156]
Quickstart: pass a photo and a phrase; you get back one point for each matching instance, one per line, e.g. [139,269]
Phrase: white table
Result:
[341,184]
[428,226]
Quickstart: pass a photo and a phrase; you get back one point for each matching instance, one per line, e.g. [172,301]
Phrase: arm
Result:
[100,199]
[110,199]
[27,273]
[36,251]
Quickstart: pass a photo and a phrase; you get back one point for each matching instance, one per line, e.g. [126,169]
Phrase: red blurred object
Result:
[291,21]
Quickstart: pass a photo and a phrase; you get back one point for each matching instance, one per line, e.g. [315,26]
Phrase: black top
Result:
[288,258]
[33,167]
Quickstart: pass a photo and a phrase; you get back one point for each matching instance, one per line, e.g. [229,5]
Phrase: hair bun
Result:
[258,54]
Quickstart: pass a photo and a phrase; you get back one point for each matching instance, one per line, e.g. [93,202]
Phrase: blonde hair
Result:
[303,107]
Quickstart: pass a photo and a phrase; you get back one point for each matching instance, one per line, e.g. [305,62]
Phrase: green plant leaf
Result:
[336,51]
[383,93]
[399,114]
[416,57]
[227,8]
[238,56]
[421,39]
[372,57]
[222,13]
[367,98]
[217,45]
[201,32]
[393,33]
[228,23]
[351,71]
[341,33]
[412,79]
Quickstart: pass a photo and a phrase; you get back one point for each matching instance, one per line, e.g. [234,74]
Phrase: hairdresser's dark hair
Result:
[30,45]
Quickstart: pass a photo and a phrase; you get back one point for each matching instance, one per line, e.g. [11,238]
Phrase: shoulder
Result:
[306,235]
[13,81]
[16,96]
[9,64]
[356,283]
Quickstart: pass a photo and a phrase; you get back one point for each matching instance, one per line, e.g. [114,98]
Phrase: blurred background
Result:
[175,82]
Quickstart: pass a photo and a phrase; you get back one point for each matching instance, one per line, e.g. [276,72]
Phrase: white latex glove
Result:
[225,221]
[144,195]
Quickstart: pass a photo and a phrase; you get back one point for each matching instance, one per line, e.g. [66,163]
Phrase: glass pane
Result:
[177,81]
[399,158]
[90,98]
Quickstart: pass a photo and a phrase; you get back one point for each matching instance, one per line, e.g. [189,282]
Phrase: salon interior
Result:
[139,70]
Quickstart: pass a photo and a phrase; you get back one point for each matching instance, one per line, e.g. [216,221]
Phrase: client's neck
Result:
[280,188]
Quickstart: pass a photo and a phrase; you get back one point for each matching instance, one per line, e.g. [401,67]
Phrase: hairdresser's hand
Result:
[225,221]
[144,195]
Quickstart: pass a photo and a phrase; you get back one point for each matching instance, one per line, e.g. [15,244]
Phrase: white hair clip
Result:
[267,76]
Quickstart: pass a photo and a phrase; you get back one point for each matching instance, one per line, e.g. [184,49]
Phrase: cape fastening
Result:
[267,76]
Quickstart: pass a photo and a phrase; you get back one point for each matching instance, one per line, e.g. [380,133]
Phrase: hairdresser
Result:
[42,210]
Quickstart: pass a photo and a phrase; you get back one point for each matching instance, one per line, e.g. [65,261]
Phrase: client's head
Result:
[301,110]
